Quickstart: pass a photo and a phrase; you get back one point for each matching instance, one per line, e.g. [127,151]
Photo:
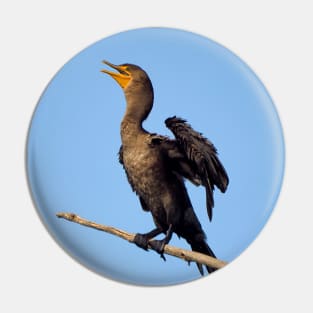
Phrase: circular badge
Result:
[155,156]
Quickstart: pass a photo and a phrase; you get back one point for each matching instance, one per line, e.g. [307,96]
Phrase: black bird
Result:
[156,166]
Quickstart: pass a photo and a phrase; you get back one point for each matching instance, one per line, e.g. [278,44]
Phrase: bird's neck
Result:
[139,104]
[130,131]
[131,126]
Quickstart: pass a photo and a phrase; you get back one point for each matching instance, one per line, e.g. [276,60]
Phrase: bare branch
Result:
[187,255]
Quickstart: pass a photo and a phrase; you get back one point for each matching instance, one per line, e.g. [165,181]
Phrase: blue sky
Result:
[74,138]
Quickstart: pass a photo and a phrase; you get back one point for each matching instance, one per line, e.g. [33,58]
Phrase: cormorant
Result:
[156,166]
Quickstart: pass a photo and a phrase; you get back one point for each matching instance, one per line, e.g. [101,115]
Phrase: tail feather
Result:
[193,233]
[202,247]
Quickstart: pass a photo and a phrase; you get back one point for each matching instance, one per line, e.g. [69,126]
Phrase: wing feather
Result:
[201,155]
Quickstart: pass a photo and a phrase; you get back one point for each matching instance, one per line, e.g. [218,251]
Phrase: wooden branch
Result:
[187,255]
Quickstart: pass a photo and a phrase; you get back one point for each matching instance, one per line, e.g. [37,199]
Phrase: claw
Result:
[158,246]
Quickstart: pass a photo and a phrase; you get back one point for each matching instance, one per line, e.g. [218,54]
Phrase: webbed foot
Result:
[141,240]
[158,246]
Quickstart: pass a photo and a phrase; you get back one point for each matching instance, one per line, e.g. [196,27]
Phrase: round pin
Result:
[155,156]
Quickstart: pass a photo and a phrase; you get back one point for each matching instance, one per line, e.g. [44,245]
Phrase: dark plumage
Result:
[156,166]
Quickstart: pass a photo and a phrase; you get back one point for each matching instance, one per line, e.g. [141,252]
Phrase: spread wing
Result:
[196,159]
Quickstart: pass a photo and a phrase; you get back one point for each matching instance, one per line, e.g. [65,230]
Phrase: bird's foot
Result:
[141,240]
[158,246]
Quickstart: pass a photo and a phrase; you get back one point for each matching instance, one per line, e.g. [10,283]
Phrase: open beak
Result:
[122,77]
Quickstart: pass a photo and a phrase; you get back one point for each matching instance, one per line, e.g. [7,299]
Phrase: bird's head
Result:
[137,88]
[127,74]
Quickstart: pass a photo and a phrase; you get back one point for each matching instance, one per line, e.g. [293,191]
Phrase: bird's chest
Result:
[143,167]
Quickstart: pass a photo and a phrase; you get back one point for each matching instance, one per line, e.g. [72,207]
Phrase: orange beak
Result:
[122,77]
